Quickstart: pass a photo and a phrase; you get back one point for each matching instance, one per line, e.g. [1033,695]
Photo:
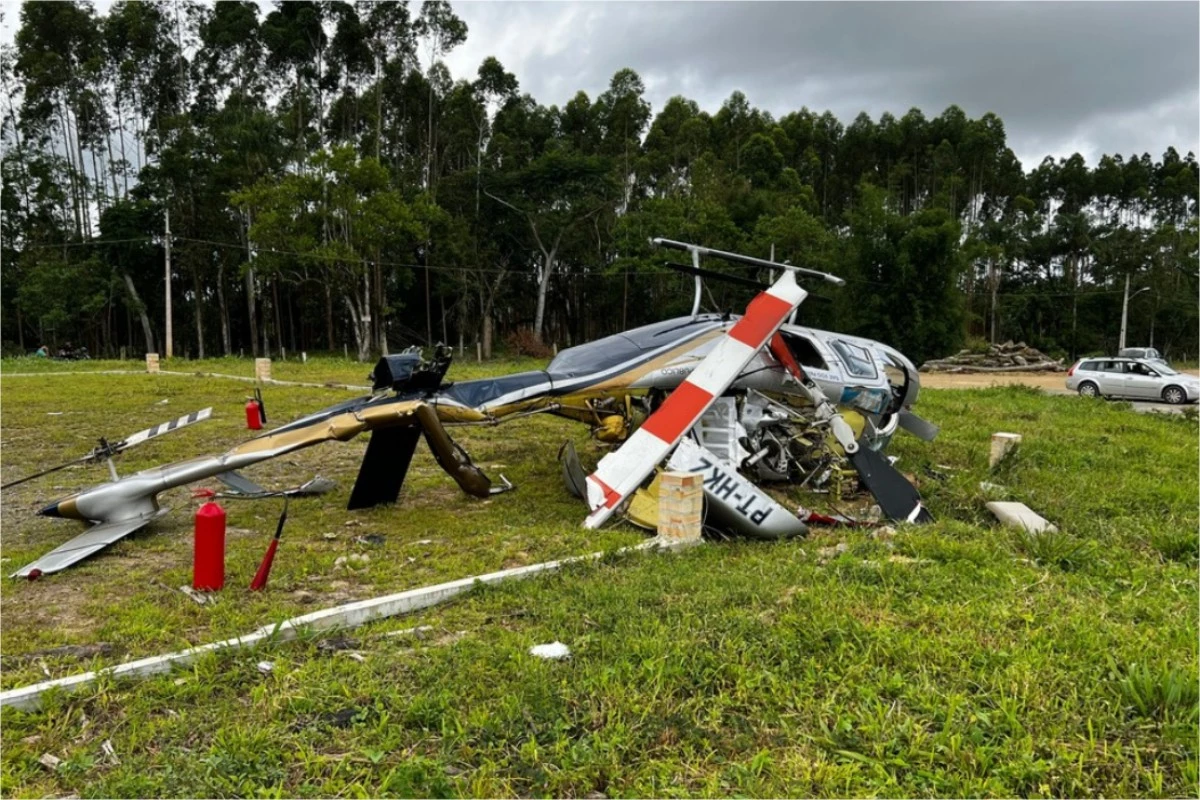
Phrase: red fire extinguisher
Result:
[253,415]
[208,564]
[256,411]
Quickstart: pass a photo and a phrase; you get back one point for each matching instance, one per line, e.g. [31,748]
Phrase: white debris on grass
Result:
[417,631]
[265,667]
[200,597]
[1019,515]
[354,561]
[554,650]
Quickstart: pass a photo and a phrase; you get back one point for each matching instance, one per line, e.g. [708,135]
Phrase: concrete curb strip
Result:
[350,615]
[242,378]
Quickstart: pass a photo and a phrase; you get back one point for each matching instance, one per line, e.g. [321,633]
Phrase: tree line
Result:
[328,185]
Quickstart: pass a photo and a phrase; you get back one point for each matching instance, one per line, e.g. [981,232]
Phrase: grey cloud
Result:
[1097,77]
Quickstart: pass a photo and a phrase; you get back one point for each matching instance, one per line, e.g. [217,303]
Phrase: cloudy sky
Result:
[1087,77]
[1090,77]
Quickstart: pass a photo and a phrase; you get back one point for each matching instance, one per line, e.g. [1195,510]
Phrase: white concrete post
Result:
[680,506]
[262,369]
[1002,445]
[151,362]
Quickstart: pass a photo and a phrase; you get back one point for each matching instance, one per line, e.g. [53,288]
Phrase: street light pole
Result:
[1125,312]
[170,338]
[1124,316]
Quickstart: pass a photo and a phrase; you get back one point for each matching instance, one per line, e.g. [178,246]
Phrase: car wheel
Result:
[1089,389]
[1174,395]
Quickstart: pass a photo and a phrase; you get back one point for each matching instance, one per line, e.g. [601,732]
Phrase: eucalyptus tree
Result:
[391,39]
[57,43]
[908,262]
[442,31]
[622,113]
[295,40]
[679,134]
[338,219]
[350,63]
[552,195]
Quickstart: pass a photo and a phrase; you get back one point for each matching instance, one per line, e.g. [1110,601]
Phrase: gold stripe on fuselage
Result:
[574,404]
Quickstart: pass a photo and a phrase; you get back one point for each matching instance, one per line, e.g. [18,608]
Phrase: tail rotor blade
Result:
[106,451]
[165,427]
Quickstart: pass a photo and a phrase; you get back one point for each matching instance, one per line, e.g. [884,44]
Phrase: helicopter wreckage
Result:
[748,401]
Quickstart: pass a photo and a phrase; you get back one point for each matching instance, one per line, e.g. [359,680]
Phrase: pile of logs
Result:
[1007,357]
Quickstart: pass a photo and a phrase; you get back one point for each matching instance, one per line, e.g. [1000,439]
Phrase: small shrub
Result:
[1158,692]
[1054,549]
[523,343]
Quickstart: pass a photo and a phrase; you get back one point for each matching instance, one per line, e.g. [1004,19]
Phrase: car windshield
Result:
[1163,369]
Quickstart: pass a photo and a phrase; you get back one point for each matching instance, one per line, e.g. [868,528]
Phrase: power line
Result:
[494,270]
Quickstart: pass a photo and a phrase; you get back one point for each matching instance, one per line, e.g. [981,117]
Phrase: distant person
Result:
[41,352]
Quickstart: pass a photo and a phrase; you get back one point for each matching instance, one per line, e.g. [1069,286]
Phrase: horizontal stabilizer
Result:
[95,538]
[240,483]
[573,475]
[921,428]
[245,489]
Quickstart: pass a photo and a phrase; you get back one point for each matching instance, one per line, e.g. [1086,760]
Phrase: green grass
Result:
[955,659]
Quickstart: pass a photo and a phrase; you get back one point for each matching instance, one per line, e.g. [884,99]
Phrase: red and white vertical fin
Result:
[620,473]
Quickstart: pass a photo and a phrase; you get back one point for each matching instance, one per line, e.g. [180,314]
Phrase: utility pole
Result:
[168,274]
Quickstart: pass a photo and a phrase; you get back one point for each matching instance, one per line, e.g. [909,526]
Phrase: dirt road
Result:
[982,380]
[1052,382]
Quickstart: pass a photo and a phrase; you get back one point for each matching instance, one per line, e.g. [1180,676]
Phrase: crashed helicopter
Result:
[746,400]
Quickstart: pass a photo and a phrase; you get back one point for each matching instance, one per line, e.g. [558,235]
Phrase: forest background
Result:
[327,186]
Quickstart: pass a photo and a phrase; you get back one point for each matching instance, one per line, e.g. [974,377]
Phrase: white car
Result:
[1143,354]
[1132,379]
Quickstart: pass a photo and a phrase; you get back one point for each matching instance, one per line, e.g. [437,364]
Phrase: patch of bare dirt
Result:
[1049,381]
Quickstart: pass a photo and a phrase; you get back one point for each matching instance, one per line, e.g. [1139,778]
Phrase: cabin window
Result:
[857,360]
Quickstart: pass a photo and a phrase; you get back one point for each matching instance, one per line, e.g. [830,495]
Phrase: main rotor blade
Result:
[716,276]
[620,472]
[741,259]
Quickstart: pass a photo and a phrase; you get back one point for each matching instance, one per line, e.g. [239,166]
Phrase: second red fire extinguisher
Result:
[208,565]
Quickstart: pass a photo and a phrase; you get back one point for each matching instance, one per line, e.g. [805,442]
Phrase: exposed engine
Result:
[770,441]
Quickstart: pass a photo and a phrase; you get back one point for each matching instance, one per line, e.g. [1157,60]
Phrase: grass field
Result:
[955,659]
